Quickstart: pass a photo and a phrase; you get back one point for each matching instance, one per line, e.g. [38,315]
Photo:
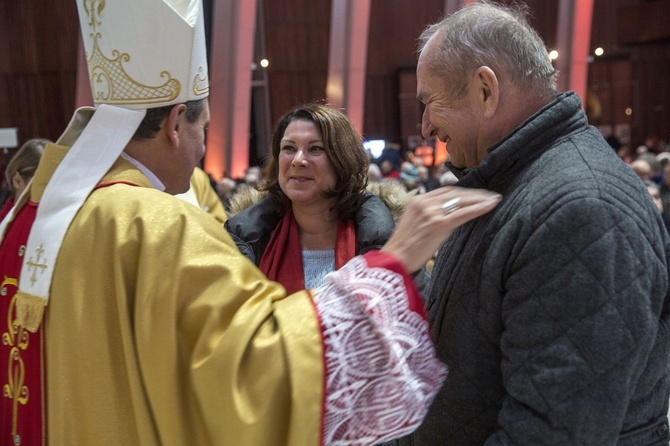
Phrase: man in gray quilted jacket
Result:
[552,311]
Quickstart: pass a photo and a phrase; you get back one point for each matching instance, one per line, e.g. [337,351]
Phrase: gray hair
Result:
[492,35]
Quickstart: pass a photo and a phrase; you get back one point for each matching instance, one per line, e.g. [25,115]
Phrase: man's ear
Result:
[174,122]
[488,90]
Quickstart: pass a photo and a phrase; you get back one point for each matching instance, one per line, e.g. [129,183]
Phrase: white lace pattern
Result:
[382,373]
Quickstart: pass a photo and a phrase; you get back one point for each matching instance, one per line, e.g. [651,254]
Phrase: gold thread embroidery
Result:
[18,339]
[110,82]
[36,264]
[201,83]
[94,13]
[112,85]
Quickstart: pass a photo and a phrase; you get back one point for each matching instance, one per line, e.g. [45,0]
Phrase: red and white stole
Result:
[282,259]
[21,352]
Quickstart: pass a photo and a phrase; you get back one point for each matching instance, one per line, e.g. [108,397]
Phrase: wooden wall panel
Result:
[610,81]
[37,72]
[543,17]
[651,65]
[633,71]
[410,107]
[644,22]
[297,43]
[605,25]
[395,26]
[382,107]
[38,63]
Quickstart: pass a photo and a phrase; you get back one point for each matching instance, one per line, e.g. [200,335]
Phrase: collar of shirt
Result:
[153,179]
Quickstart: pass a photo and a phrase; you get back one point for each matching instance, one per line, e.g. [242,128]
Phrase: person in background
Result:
[626,154]
[202,195]
[664,190]
[21,169]
[655,193]
[552,311]
[427,177]
[655,167]
[132,318]
[387,169]
[390,153]
[663,159]
[251,176]
[642,169]
[225,188]
[374,173]
[654,144]
[317,215]
[410,178]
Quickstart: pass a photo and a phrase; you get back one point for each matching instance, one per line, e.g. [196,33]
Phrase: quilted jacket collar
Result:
[525,144]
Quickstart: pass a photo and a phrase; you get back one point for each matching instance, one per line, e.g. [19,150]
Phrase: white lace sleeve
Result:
[381,368]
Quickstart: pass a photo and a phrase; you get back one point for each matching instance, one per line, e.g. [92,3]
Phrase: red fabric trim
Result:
[282,259]
[324,371]
[9,204]
[378,259]
[30,415]
[110,183]
[345,245]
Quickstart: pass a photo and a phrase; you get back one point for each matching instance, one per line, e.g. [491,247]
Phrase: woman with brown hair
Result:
[317,214]
[21,169]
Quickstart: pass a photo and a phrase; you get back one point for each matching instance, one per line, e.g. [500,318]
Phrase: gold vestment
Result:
[158,331]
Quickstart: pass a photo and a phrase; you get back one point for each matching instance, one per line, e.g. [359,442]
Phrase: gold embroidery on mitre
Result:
[201,83]
[94,12]
[110,82]
[112,85]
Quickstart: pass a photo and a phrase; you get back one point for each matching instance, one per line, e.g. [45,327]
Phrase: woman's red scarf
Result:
[282,259]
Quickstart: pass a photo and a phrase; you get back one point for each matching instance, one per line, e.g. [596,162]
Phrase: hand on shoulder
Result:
[430,218]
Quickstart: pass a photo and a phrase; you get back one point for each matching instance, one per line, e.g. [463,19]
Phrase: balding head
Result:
[642,169]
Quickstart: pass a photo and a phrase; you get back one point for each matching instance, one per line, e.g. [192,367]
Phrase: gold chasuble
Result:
[156,329]
[20,352]
[159,332]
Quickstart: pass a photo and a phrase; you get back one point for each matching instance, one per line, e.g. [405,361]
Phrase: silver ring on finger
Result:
[450,206]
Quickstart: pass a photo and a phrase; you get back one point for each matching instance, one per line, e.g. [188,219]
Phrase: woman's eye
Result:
[288,149]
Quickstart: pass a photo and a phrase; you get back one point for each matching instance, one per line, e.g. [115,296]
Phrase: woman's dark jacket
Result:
[251,229]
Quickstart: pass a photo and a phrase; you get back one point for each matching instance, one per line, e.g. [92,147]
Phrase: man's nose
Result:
[427,129]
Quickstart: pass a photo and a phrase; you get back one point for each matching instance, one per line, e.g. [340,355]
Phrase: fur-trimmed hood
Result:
[254,216]
[392,192]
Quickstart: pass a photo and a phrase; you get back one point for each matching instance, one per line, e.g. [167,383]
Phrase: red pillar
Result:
[348,57]
[574,39]
[231,55]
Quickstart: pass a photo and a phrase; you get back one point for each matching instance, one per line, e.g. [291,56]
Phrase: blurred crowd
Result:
[651,162]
